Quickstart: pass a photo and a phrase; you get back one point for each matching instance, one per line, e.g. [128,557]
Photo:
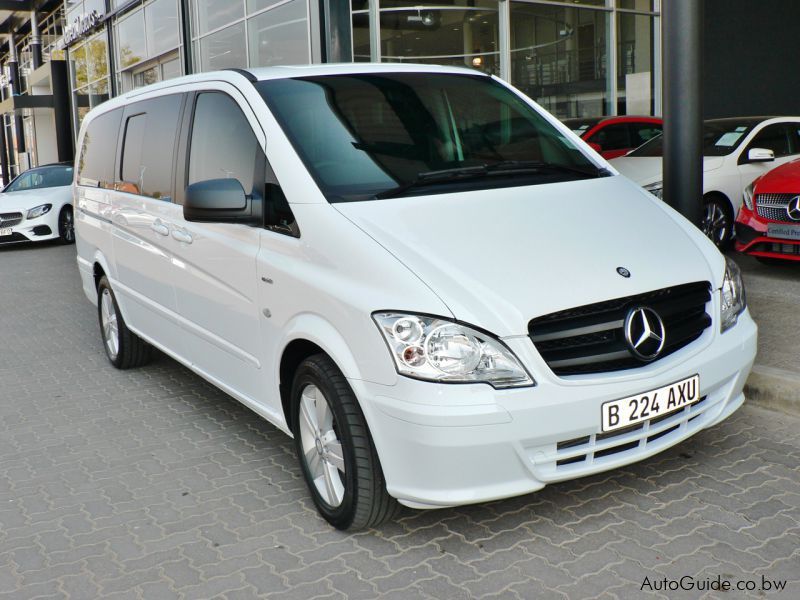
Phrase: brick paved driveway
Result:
[152,484]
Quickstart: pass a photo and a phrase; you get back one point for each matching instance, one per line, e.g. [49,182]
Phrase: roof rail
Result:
[244,73]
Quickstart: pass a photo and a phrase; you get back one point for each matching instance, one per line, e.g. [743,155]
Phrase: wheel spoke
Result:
[332,485]
[313,462]
[308,413]
[324,418]
[335,454]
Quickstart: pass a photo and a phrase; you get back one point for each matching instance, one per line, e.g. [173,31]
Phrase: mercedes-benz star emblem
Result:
[644,332]
[623,271]
[793,208]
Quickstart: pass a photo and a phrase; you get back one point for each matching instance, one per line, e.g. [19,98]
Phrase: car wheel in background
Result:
[66,226]
[335,449]
[717,220]
[124,348]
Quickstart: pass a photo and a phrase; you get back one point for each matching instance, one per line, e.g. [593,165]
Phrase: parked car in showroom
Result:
[735,152]
[768,224]
[423,277]
[37,206]
[613,137]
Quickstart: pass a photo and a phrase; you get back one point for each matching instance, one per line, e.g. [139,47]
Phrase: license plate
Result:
[6,231]
[617,414]
[783,232]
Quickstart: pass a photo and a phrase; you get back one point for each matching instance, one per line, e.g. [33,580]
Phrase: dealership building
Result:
[578,58]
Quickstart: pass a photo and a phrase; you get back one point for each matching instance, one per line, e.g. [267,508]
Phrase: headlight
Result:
[657,189]
[732,298]
[38,211]
[439,350]
[748,196]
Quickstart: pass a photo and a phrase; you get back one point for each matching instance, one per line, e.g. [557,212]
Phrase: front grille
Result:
[773,206]
[592,448]
[10,219]
[777,248]
[591,338]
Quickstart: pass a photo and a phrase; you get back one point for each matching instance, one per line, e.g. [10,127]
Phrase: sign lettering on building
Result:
[80,26]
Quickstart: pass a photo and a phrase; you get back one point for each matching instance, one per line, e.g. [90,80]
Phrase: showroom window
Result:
[250,33]
[88,65]
[148,44]
[583,58]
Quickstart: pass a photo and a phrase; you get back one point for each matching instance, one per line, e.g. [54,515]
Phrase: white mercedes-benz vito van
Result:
[440,291]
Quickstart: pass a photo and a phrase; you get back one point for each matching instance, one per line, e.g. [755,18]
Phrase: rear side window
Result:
[96,162]
[223,143]
[148,147]
[642,132]
[612,137]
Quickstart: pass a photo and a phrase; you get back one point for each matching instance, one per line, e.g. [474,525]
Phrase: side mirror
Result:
[221,201]
[596,147]
[760,155]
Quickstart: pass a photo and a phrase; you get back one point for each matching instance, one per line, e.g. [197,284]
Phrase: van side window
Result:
[96,162]
[148,147]
[223,143]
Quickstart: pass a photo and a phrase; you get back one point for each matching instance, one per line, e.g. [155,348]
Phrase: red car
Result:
[615,136]
[768,224]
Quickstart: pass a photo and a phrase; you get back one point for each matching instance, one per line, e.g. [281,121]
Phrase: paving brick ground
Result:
[152,484]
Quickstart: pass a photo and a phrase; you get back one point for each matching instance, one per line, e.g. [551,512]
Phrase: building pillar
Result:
[337,25]
[682,29]
[13,72]
[36,41]
[5,176]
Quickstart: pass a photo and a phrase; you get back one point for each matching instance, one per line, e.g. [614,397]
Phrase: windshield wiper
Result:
[505,167]
[434,177]
[535,165]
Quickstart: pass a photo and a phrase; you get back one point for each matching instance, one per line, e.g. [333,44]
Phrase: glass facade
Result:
[148,44]
[250,33]
[581,58]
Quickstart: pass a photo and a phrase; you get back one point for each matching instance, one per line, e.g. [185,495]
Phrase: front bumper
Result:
[444,445]
[30,230]
[752,238]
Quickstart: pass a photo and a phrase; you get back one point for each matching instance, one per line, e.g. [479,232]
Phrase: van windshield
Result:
[368,136]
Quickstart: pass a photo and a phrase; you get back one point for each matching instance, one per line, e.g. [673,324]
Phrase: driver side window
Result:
[774,137]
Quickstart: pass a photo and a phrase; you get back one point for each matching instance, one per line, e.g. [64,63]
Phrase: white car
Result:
[37,206]
[735,152]
[440,291]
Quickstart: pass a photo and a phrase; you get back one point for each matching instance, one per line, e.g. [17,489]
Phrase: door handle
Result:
[160,227]
[182,236]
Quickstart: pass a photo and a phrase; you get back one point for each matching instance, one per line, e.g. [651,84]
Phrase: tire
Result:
[335,448]
[717,221]
[124,349]
[66,226]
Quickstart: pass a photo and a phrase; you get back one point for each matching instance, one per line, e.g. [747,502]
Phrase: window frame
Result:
[265,176]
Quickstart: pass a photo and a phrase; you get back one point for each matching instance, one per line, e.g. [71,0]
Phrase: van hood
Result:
[499,258]
[645,170]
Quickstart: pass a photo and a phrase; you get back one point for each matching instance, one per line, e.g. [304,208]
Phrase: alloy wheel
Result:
[108,320]
[67,226]
[322,449]
[715,223]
